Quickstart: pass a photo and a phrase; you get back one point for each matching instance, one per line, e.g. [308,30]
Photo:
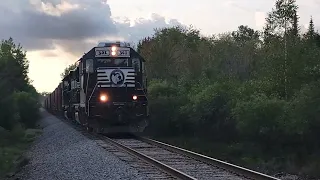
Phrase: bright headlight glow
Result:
[103,98]
[113,48]
[134,97]
[113,53]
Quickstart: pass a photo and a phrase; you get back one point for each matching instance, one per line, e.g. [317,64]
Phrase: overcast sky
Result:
[56,33]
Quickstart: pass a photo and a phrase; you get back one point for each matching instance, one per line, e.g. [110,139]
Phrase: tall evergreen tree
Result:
[311,32]
[295,27]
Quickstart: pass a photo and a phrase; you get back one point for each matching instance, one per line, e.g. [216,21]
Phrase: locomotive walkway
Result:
[61,152]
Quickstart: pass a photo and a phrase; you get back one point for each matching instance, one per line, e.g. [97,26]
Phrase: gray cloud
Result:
[71,26]
[144,27]
[34,28]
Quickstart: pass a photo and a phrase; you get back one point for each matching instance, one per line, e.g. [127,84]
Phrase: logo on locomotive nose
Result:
[117,77]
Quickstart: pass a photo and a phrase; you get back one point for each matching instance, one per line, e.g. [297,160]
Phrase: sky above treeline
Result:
[55,33]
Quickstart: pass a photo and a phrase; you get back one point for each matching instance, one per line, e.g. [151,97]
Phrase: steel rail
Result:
[167,169]
[211,161]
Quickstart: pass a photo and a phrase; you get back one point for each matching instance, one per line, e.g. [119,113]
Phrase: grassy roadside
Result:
[249,156]
[13,144]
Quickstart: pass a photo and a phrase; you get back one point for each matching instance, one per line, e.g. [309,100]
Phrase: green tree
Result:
[244,34]
[310,33]
[14,66]
[280,34]
[68,69]
[295,26]
[311,36]
[283,17]
[14,79]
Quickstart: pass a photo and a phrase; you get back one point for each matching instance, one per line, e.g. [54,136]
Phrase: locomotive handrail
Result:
[87,82]
[145,94]
[91,97]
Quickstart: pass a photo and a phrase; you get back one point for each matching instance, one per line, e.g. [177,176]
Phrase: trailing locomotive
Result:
[106,92]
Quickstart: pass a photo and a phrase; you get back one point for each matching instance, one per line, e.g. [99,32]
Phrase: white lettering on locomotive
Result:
[106,52]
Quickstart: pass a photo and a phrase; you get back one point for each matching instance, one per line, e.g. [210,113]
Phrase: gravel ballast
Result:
[61,152]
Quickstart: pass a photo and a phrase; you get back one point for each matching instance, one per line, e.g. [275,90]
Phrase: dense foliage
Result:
[19,104]
[247,86]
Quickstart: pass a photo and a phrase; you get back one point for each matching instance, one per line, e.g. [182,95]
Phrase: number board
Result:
[106,52]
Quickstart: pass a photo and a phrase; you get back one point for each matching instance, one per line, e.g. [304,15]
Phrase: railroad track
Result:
[181,163]
[163,161]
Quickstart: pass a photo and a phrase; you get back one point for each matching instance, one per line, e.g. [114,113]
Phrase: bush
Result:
[17,133]
[305,111]
[204,110]
[261,119]
[164,107]
[28,108]
[8,114]
[164,116]
[209,110]
[161,88]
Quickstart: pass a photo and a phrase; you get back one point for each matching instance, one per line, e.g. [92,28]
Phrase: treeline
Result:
[255,88]
[19,105]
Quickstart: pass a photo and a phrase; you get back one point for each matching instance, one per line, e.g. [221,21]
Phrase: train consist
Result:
[106,92]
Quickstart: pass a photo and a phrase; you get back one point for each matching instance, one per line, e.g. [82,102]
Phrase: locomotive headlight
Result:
[113,50]
[103,98]
[134,97]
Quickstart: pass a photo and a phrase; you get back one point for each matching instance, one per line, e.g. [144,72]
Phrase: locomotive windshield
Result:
[113,62]
[120,62]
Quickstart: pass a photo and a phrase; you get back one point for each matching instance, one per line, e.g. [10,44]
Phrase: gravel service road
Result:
[61,152]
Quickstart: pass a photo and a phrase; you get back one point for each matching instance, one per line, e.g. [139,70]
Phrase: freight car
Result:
[106,92]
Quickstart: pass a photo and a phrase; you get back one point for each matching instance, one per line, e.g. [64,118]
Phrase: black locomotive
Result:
[106,92]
